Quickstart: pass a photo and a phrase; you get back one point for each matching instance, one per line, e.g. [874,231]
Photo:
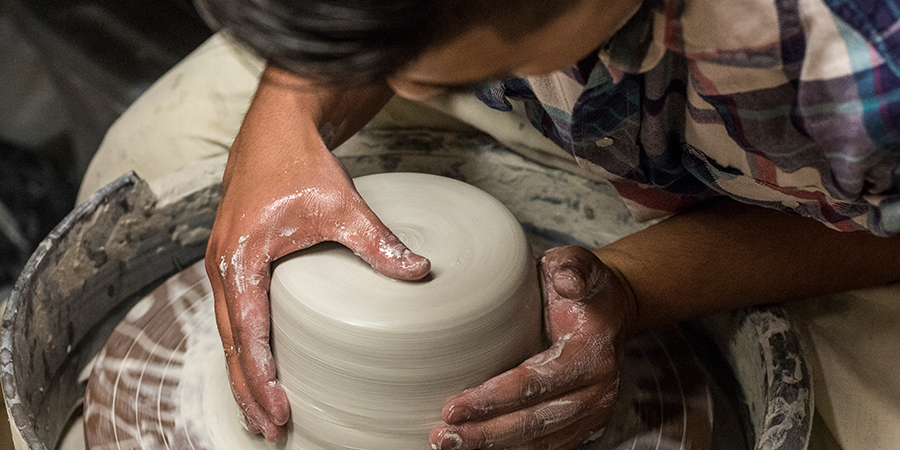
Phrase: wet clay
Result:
[368,361]
[160,381]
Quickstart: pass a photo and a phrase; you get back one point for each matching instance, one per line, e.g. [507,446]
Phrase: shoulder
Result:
[823,35]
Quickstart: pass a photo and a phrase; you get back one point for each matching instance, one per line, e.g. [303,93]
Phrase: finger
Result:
[249,316]
[573,272]
[524,428]
[376,244]
[256,418]
[240,285]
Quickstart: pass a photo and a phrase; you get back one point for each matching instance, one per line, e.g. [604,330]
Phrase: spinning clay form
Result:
[369,361]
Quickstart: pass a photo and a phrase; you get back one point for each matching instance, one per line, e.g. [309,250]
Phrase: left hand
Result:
[563,396]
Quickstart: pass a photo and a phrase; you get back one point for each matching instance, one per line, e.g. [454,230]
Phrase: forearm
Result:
[337,112]
[290,116]
[728,255]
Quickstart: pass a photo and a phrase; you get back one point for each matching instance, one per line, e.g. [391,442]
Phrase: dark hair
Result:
[358,41]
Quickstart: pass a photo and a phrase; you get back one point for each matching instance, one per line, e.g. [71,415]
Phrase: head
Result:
[419,46]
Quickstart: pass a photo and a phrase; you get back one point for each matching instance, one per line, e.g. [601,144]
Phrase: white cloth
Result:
[195,110]
[192,113]
[853,353]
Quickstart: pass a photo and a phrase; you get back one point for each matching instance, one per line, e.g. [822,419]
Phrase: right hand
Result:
[275,203]
[562,396]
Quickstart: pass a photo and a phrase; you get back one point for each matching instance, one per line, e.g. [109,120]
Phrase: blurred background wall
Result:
[68,69]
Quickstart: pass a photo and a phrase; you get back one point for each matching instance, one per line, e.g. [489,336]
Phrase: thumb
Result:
[377,245]
[571,271]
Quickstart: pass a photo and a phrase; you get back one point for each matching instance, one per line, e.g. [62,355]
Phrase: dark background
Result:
[68,69]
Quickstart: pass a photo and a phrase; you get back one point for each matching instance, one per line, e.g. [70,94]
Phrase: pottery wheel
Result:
[160,382]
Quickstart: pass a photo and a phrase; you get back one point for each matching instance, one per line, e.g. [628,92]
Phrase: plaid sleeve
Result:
[865,164]
[787,104]
[794,107]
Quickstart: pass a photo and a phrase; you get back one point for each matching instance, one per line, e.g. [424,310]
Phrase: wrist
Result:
[629,305]
[335,111]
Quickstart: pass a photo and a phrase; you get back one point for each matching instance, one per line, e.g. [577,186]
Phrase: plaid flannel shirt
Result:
[787,104]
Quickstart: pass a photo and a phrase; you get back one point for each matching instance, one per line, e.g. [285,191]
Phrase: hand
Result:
[272,205]
[563,396]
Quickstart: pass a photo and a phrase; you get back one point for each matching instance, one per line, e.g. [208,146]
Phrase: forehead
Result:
[473,56]
[482,53]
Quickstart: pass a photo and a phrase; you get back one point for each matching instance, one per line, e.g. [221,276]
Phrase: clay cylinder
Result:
[368,361]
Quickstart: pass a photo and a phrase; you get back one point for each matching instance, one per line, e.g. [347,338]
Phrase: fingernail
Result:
[568,282]
[457,414]
[565,273]
[251,427]
[449,441]
[415,262]
[277,404]
[274,433]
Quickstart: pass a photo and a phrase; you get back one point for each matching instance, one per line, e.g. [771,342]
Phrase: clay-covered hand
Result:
[563,396]
[273,205]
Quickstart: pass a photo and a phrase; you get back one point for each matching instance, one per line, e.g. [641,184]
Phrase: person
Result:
[764,133]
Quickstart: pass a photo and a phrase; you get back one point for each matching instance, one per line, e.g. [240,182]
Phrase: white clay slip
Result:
[368,361]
